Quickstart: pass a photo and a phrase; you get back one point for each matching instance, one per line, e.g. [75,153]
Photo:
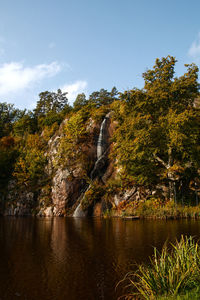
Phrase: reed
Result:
[152,208]
[173,273]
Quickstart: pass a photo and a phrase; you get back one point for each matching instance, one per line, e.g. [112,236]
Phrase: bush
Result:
[170,273]
[92,195]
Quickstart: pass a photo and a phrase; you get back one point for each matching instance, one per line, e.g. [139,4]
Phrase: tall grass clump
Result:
[173,272]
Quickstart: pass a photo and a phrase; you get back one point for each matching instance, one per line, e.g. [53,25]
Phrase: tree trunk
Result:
[170,176]
[182,193]
[196,194]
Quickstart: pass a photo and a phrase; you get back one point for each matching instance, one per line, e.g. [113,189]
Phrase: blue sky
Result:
[85,45]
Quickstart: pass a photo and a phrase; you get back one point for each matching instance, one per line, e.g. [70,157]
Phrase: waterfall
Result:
[101,147]
[101,140]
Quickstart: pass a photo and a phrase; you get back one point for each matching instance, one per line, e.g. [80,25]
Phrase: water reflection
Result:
[57,258]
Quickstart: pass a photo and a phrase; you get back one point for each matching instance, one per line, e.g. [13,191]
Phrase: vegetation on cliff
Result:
[155,145]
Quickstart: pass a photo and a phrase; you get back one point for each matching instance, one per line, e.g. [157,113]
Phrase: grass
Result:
[172,274]
[193,294]
[154,209]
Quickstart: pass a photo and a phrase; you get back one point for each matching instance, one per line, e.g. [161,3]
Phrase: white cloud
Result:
[194,50]
[15,77]
[74,89]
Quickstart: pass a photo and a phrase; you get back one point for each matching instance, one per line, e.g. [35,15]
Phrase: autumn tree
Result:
[158,137]
[25,124]
[29,167]
[72,151]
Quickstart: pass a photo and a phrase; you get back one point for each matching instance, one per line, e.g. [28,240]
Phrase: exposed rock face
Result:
[19,202]
[100,164]
[126,195]
[65,192]
[98,210]
[46,212]
[67,189]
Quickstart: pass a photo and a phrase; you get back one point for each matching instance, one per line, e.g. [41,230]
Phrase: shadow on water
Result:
[77,259]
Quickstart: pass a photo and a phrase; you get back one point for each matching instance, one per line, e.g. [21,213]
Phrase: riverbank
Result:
[154,209]
[143,209]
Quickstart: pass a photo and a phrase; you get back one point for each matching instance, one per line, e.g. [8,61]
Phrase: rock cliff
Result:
[70,192]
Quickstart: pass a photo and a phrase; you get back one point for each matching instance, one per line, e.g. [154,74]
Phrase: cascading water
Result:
[101,148]
[101,140]
[79,213]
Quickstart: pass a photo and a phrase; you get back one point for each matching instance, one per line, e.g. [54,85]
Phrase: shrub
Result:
[92,195]
[170,273]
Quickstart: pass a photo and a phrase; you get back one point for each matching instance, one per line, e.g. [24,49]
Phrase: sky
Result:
[85,45]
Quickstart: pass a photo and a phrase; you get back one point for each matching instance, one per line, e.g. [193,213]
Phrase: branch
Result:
[161,161]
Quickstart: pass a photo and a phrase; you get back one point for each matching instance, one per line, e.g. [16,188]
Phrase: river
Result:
[77,259]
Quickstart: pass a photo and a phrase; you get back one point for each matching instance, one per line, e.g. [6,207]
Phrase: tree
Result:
[26,123]
[51,101]
[51,108]
[80,101]
[8,114]
[73,151]
[8,155]
[30,164]
[103,97]
[158,138]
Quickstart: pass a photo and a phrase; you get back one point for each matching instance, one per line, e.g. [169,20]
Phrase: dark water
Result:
[76,259]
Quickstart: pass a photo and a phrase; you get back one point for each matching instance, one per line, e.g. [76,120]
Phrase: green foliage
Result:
[72,151]
[112,187]
[15,121]
[92,195]
[8,115]
[103,97]
[51,108]
[98,114]
[45,199]
[159,129]
[159,208]
[8,155]
[26,123]
[51,101]
[29,167]
[49,131]
[132,149]
[156,140]
[193,294]
[170,273]
[80,102]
